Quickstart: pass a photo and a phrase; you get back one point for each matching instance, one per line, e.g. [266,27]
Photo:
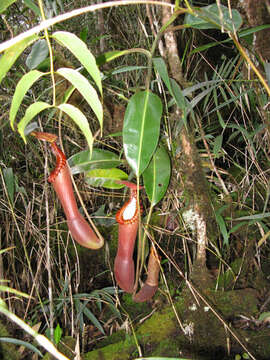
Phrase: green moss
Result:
[159,327]
[166,348]
[161,335]
[134,309]
[120,350]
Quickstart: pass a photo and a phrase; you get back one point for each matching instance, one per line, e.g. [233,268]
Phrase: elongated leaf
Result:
[5,4]
[254,217]
[161,68]
[92,317]
[214,17]
[30,113]
[242,34]
[33,7]
[38,54]
[171,84]
[141,129]
[81,52]
[11,55]
[21,343]
[223,229]
[101,159]
[79,118]
[57,334]
[21,89]
[85,88]
[109,56]
[106,178]
[13,291]
[174,89]
[217,144]
[157,175]
[112,55]
[10,183]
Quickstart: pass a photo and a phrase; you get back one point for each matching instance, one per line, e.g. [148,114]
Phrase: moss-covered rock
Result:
[204,324]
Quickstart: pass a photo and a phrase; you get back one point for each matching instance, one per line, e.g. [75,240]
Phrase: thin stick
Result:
[91,8]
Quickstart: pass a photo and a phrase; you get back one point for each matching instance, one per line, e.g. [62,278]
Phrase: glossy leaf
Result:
[85,88]
[38,54]
[156,177]
[81,52]
[21,89]
[141,129]
[79,118]
[11,54]
[31,112]
[101,159]
[214,17]
[106,178]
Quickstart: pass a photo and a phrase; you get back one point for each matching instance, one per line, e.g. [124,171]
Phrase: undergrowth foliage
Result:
[58,80]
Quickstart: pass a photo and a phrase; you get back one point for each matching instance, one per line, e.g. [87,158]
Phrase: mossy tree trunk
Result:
[193,178]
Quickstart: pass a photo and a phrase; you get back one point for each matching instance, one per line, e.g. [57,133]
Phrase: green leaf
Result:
[101,159]
[254,217]
[57,334]
[179,97]
[21,343]
[33,7]
[84,34]
[214,17]
[102,218]
[242,34]
[11,54]
[161,68]
[157,175]
[13,291]
[21,89]
[38,54]
[81,52]
[217,144]
[79,118]
[141,129]
[30,113]
[106,178]
[94,320]
[5,4]
[86,89]
[9,182]
[264,315]
[223,229]
[174,89]
[109,56]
